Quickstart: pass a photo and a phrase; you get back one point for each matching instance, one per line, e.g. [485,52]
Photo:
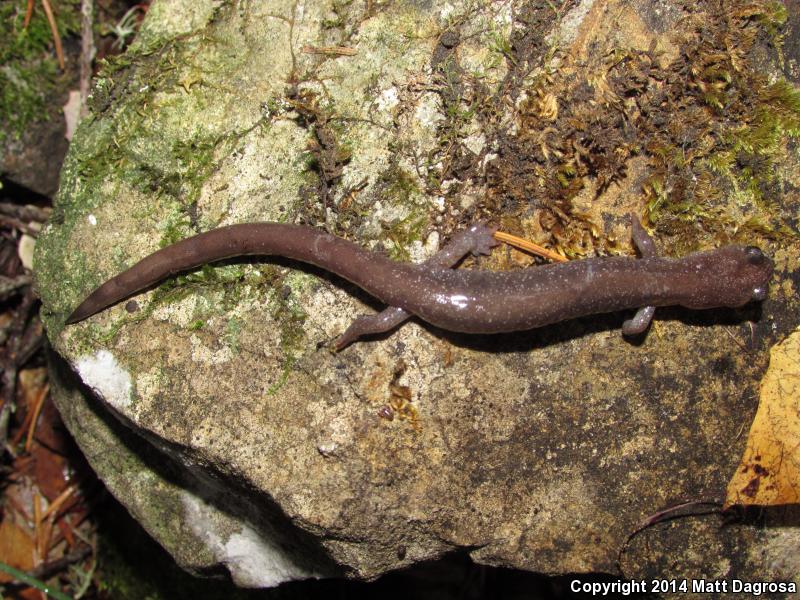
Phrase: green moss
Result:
[233,331]
[195,161]
[719,163]
[176,227]
[290,317]
[401,186]
[404,232]
[772,16]
[501,44]
[28,67]
[744,161]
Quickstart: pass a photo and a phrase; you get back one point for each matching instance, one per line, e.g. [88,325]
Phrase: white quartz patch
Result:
[388,99]
[103,374]
[253,560]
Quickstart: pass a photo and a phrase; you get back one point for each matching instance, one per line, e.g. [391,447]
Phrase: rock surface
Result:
[213,407]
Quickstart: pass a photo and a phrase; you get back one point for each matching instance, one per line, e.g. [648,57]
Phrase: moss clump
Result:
[745,156]
[711,126]
[291,318]
[232,334]
[404,232]
[717,162]
[28,66]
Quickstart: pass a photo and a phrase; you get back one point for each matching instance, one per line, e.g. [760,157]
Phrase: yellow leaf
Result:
[769,473]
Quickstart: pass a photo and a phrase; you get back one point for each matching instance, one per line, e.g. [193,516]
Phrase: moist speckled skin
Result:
[468,300]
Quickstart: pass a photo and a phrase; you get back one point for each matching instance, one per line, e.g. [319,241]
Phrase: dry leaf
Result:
[769,473]
[16,548]
[25,250]
[72,112]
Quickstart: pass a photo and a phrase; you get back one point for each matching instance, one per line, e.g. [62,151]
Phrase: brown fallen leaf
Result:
[16,548]
[769,473]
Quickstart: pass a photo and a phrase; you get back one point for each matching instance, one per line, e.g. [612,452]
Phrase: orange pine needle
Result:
[54,29]
[37,524]
[47,534]
[23,429]
[66,531]
[36,411]
[330,50]
[56,504]
[529,246]
[28,13]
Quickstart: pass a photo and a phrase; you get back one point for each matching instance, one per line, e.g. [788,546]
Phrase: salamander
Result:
[470,301]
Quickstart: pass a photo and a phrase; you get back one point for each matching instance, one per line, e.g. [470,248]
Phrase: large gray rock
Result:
[217,412]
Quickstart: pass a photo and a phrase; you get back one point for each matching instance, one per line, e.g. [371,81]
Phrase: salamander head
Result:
[731,276]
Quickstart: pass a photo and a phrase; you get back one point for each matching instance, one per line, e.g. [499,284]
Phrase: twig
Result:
[28,212]
[19,225]
[37,524]
[28,13]
[9,286]
[88,51]
[66,530]
[37,409]
[330,50]
[56,504]
[47,570]
[51,19]
[19,350]
[49,519]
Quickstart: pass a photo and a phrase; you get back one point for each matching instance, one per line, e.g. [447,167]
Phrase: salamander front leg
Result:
[476,239]
[641,239]
[647,248]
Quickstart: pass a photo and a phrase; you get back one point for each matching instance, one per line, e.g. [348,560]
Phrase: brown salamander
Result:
[470,301]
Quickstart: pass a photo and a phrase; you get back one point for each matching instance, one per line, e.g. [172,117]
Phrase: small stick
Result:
[17,224]
[50,515]
[36,411]
[54,28]
[330,50]
[37,525]
[48,569]
[88,52]
[529,246]
[66,531]
[28,13]
[56,504]
[26,213]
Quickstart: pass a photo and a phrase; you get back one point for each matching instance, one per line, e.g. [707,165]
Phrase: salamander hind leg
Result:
[371,324]
[476,239]
[639,322]
[647,248]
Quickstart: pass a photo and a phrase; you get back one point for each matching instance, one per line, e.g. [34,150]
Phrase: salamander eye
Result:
[759,294]
[754,255]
